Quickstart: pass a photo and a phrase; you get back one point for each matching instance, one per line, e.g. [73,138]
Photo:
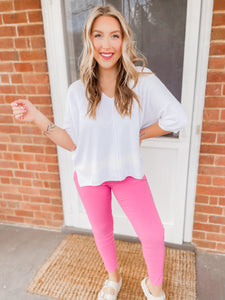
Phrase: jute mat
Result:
[75,271]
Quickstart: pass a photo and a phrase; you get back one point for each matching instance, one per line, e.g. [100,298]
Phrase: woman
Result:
[109,111]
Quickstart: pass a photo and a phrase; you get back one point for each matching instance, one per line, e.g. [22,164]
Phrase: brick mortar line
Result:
[214,26]
[211,214]
[203,131]
[213,241]
[23,95]
[17,50]
[211,176]
[25,83]
[39,195]
[22,37]
[211,205]
[16,124]
[31,144]
[27,171]
[31,171]
[29,153]
[29,162]
[207,185]
[216,71]
[22,74]
[215,144]
[199,230]
[209,82]
[21,62]
[41,204]
[21,10]
[25,134]
[210,165]
[209,224]
[217,82]
[37,23]
[214,108]
[217,41]
[34,211]
[16,94]
[210,233]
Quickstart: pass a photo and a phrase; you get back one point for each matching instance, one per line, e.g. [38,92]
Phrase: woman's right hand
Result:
[24,111]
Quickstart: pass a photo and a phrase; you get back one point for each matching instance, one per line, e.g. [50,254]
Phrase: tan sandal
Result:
[102,295]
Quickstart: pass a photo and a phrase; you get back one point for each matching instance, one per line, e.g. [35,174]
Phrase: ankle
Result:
[114,277]
[155,290]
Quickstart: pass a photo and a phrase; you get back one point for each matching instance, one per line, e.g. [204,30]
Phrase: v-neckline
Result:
[111,98]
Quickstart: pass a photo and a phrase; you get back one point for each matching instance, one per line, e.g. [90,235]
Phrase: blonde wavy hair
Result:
[126,70]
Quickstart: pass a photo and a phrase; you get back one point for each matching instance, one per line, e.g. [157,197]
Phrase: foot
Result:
[110,290]
[150,292]
[154,291]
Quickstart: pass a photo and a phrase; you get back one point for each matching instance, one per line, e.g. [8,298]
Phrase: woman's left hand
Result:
[141,136]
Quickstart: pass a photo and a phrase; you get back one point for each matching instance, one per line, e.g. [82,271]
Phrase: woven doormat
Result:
[75,271]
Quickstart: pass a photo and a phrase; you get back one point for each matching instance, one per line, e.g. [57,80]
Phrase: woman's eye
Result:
[98,35]
[115,36]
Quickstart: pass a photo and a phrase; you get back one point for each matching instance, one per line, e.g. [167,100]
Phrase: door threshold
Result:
[126,238]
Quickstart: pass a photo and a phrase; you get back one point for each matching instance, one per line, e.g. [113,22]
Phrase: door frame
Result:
[196,54]
[202,58]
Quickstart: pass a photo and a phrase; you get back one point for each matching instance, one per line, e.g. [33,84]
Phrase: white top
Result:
[108,147]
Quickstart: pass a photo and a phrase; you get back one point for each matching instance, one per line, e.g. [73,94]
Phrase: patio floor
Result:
[24,250]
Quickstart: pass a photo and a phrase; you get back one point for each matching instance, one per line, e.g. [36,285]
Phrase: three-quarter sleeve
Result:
[159,105]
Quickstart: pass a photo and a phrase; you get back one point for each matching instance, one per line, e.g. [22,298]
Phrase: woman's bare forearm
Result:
[152,131]
[24,111]
[56,134]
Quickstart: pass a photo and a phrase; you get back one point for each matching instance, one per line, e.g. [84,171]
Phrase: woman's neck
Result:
[107,75]
[107,82]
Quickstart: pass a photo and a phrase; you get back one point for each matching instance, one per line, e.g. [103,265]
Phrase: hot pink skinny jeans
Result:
[135,198]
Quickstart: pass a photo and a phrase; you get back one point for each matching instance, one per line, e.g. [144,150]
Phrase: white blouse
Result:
[108,147]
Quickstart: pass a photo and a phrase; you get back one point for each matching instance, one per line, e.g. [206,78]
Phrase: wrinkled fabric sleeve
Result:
[159,105]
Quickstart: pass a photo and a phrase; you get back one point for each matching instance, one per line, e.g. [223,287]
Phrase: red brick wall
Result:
[209,222]
[29,178]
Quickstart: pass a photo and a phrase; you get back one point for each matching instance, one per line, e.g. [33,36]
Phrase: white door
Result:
[166,159]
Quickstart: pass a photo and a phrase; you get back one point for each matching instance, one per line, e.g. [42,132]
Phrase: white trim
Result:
[199,100]
[57,64]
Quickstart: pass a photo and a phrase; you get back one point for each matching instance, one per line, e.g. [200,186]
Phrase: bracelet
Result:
[50,127]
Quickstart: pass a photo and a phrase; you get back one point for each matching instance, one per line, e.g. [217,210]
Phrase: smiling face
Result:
[107,41]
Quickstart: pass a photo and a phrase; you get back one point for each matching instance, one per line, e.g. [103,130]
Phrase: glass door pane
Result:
[159,32]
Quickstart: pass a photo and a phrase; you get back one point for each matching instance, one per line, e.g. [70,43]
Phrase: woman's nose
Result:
[106,43]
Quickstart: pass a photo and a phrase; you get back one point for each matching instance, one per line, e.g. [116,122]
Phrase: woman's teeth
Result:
[106,55]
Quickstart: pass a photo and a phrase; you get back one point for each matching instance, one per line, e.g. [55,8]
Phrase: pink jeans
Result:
[135,198]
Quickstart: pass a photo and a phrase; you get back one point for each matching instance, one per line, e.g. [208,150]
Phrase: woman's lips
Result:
[106,55]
